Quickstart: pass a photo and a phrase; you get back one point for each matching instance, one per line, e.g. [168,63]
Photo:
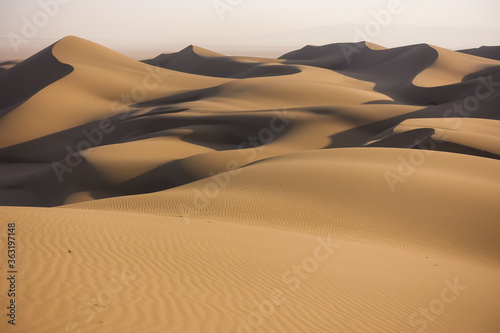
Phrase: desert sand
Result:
[339,188]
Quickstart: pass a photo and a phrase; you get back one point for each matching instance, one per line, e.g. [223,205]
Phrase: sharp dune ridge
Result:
[196,60]
[340,188]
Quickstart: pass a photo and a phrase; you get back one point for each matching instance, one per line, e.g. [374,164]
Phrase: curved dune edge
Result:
[100,272]
[122,162]
[204,52]
[372,195]
[9,64]
[375,47]
[480,134]
[451,68]
[24,79]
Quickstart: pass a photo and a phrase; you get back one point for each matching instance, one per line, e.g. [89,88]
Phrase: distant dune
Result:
[196,60]
[340,188]
[492,52]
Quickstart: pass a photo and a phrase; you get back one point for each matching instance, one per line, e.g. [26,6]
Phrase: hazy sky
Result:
[152,26]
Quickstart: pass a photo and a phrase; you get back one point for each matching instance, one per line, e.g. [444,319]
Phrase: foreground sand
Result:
[109,272]
[195,192]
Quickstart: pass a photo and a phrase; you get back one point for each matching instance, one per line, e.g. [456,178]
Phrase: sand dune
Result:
[102,83]
[480,134]
[197,60]
[340,188]
[314,192]
[491,52]
[394,71]
[451,68]
[28,77]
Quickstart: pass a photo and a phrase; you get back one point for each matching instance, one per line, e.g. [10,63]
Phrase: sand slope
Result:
[108,272]
[348,193]
[451,68]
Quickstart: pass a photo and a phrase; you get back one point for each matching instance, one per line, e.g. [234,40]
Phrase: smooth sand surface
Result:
[451,68]
[323,191]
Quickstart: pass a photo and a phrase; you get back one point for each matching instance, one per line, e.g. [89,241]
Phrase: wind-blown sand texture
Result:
[339,188]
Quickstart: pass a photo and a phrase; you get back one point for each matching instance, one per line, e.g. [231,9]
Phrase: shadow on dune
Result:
[392,70]
[28,77]
[382,131]
[190,96]
[28,178]
[409,139]
[36,184]
[216,65]
[490,52]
